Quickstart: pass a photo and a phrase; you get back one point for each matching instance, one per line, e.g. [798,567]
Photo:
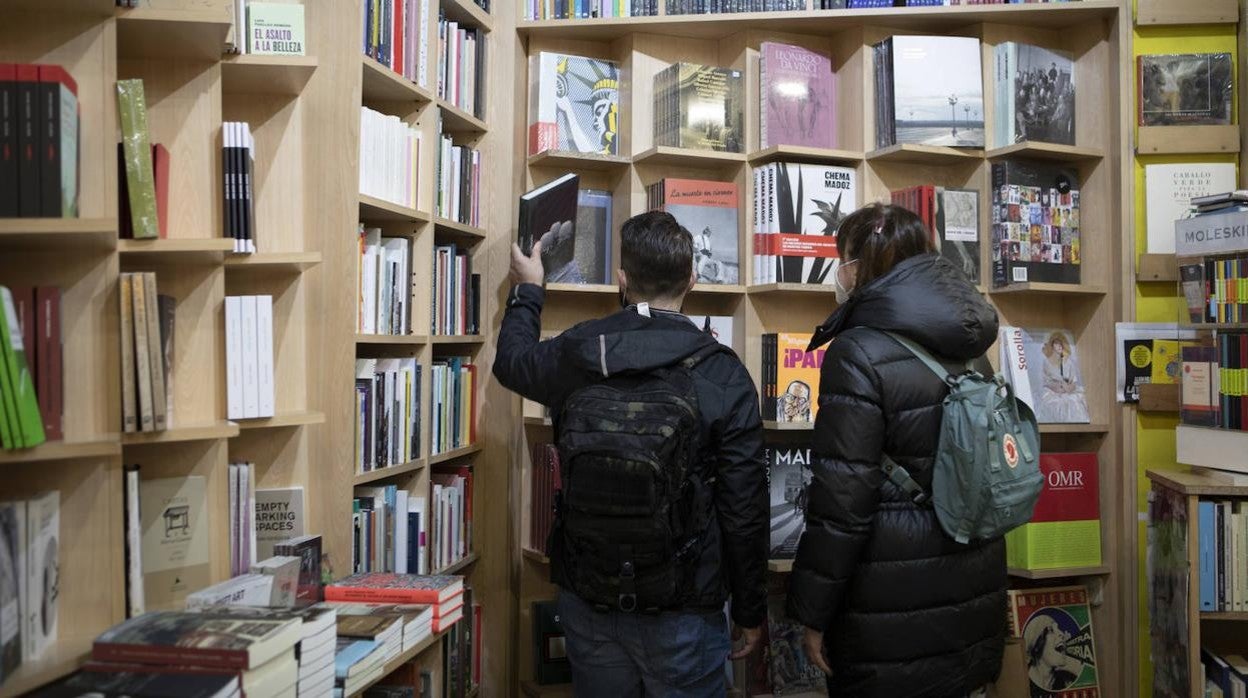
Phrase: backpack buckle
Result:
[627,600]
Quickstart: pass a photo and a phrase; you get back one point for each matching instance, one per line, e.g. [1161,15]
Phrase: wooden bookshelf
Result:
[292,262]
[387,473]
[1037,150]
[176,32]
[58,232]
[1175,12]
[1060,573]
[1174,140]
[1223,449]
[284,420]
[1157,267]
[924,154]
[794,153]
[266,75]
[374,209]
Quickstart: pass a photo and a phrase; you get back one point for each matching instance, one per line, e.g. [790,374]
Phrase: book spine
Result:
[1208,565]
[49,361]
[129,409]
[132,107]
[160,399]
[21,388]
[10,192]
[160,174]
[142,358]
[135,599]
[251,394]
[264,351]
[29,147]
[49,95]
[234,356]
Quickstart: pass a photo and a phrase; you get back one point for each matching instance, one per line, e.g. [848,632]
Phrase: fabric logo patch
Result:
[1010,448]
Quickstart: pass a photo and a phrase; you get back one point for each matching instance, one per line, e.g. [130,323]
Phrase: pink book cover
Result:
[798,98]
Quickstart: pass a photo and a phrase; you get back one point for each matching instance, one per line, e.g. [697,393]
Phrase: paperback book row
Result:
[456,292]
[249,357]
[1222,537]
[461,66]
[263,28]
[594,9]
[389,531]
[147,335]
[453,411]
[30,547]
[1214,391]
[1223,675]
[458,197]
[396,35]
[238,166]
[32,402]
[38,141]
[385,283]
[389,158]
[387,402]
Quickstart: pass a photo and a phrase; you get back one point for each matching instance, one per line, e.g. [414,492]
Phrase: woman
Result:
[1062,398]
[892,606]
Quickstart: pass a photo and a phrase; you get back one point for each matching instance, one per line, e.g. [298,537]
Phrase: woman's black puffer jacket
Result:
[906,611]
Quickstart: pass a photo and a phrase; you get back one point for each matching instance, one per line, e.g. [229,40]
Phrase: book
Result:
[19,386]
[58,171]
[458,196]
[1055,624]
[140,178]
[354,656]
[1035,94]
[308,550]
[134,543]
[708,210]
[12,585]
[279,517]
[798,97]
[699,106]
[46,318]
[1065,527]
[592,245]
[1198,392]
[275,29]
[175,550]
[198,639]
[958,229]
[129,387]
[929,91]
[810,202]
[381,587]
[789,669]
[718,326]
[1042,365]
[10,192]
[790,376]
[43,524]
[155,352]
[1169,190]
[574,104]
[251,589]
[284,571]
[550,660]
[390,159]
[142,351]
[789,474]
[29,148]
[548,210]
[160,183]
[1036,229]
[1188,88]
[152,684]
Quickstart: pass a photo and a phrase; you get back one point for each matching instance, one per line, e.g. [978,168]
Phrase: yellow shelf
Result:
[62,450]
[912,154]
[288,419]
[207,432]
[182,33]
[667,156]
[388,472]
[274,261]
[372,208]
[459,565]
[456,120]
[1060,573]
[176,249]
[266,75]
[384,85]
[454,453]
[1037,150]
[797,153]
[58,232]
[567,160]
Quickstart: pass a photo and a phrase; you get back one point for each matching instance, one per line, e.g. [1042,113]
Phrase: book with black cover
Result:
[789,473]
[8,141]
[1035,229]
[100,684]
[550,209]
[28,145]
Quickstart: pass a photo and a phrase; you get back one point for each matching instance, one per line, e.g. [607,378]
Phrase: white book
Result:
[1169,190]
[284,570]
[234,357]
[249,513]
[1014,363]
[235,547]
[400,532]
[364,164]
[368,289]
[251,384]
[422,70]
[134,542]
[43,527]
[241,590]
[264,354]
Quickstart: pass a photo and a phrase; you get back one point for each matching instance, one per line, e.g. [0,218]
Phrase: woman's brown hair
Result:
[879,237]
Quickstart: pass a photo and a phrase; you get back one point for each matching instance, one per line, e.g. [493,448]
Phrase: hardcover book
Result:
[957,228]
[810,203]
[550,210]
[574,104]
[58,172]
[1198,402]
[791,377]
[1043,367]
[929,91]
[43,533]
[789,474]
[197,639]
[279,516]
[173,514]
[593,245]
[797,90]
[1035,223]
[385,587]
[1065,527]
[12,585]
[275,29]
[140,177]
[19,384]
[1169,190]
[708,210]
[699,106]
[1188,88]
[1035,99]
[1055,626]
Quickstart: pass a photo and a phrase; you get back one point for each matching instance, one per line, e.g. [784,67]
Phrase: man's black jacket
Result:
[734,553]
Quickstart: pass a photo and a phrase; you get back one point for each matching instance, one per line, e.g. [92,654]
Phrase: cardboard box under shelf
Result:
[1163,140]
[1161,12]
[1157,397]
[1157,267]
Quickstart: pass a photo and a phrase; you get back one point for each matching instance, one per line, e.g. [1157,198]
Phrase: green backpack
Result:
[986,476]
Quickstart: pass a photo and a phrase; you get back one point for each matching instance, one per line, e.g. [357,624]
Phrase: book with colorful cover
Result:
[386,587]
[275,29]
[797,90]
[1198,391]
[708,210]
[593,246]
[1065,526]
[137,150]
[1043,367]
[574,104]
[308,550]
[1055,626]
[791,377]
[1035,223]
[1188,88]
[15,363]
[789,669]
[788,471]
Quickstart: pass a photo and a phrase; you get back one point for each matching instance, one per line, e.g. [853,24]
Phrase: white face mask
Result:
[842,293]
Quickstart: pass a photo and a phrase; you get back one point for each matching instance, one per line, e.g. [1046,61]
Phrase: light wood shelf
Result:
[1158,397]
[1169,12]
[668,156]
[62,450]
[1157,267]
[1037,150]
[796,153]
[717,290]
[783,288]
[600,289]
[283,420]
[176,250]
[403,658]
[395,339]
[1237,616]
[59,232]
[454,340]
[909,153]
[535,556]
[1176,140]
[1202,482]
[266,75]
[568,160]
[292,262]
[456,120]
[467,12]
[1050,289]
[532,689]
[455,454]
[454,231]
[1223,449]
[207,432]
[372,208]
[459,565]
[1060,572]
[188,34]
[1092,428]
[380,84]
[392,471]
[60,659]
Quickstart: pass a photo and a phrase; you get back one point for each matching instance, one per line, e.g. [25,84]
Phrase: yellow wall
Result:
[1160,302]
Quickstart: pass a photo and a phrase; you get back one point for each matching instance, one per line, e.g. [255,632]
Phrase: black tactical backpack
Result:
[633,508]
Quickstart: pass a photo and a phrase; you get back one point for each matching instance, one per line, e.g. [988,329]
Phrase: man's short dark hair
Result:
[656,252]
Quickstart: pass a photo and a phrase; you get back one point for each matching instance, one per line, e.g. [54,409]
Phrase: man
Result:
[628,634]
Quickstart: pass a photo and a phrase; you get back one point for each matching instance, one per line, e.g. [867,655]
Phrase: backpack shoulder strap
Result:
[689,362]
[941,371]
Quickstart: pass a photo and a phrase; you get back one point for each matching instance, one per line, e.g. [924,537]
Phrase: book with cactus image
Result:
[798,244]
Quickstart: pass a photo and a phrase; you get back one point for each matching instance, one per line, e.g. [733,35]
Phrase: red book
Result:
[452,607]
[396,56]
[1071,491]
[198,639]
[28,147]
[160,170]
[443,624]
[388,587]
[24,303]
[49,352]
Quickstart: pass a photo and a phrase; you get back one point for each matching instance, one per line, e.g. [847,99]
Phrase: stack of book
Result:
[31,380]
[146,353]
[389,158]
[308,550]
[242,510]
[545,482]
[385,631]
[357,663]
[559,81]
[416,620]
[238,165]
[38,142]
[456,292]
[1215,283]
[1224,675]
[249,356]
[387,426]
[445,593]
[461,65]
[454,413]
[396,35]
[459,183]
[1215,382]
[256,645]
[1222,533]
[30,536]
[1065,526]
[797,210]
[699,106]
[389,531]
[451,515]
[1035,234]
[708,210]
[790,378]
[952,216]
[385,283]
[585,9]
[142,682]
[271,582]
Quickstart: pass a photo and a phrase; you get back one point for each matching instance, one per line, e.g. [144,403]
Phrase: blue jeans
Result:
[670,655]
